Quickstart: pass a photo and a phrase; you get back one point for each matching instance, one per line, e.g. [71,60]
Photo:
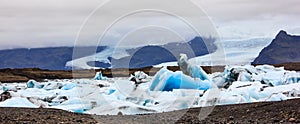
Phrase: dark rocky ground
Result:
[41,115]
[262,113]
[23,75]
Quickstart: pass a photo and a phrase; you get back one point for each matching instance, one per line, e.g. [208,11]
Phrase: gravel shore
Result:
[266,112]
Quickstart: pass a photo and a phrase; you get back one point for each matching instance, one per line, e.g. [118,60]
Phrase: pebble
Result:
[120,113]
[292,120]
[276,120]
[79,120]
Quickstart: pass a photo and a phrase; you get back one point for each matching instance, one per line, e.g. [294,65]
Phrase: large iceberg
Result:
[190,77]
[166,80]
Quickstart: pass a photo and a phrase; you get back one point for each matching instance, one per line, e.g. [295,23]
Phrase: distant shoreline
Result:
[25,74]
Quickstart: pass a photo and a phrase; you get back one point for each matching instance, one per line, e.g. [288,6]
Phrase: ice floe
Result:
[166,91]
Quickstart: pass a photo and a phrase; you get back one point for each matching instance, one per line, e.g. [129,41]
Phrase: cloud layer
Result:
[35,23]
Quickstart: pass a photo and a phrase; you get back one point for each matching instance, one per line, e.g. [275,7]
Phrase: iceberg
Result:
[265,74]
[166,91]
[68,86]
[9,88]
[17,102]
[53,85]
[166,80]
[139,77]
[34,84]
[99,76]
[191,70]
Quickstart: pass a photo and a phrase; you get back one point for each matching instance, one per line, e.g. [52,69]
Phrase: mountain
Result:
[52,58]
[283,49]
[56,58]
[155,54]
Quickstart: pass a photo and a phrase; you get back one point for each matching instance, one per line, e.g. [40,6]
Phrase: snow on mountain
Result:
[82,63]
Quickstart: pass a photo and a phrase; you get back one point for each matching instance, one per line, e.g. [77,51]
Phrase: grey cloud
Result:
[36,23]
[249,9]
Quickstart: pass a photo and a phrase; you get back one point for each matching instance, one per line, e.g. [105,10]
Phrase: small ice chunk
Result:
[34,84]
[191,70]
[99,76]
[17,102]
[139,77]
[53,85]
[68,86]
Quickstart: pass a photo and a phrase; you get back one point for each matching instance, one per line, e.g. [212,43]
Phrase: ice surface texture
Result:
[166,91]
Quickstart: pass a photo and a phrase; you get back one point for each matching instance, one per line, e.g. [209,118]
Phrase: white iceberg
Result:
[139,77]
[18,102]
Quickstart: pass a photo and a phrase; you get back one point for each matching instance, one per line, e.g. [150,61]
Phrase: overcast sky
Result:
[43,23]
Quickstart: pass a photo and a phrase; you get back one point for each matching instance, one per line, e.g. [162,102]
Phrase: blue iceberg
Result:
[68,86]
[99,76]
[34,84]
[166,80]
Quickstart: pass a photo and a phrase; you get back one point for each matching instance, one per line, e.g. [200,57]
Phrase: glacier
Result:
[166,91]
[230,52]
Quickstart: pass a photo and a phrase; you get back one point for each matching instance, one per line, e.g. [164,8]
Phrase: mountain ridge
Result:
[282,49]
[55,58]
[150,55]
[52,58]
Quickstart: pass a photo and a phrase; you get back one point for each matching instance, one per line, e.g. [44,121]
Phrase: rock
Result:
[292,120]
[276,120]
[120,113]
[79,121]
[101,85]
[4,96]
